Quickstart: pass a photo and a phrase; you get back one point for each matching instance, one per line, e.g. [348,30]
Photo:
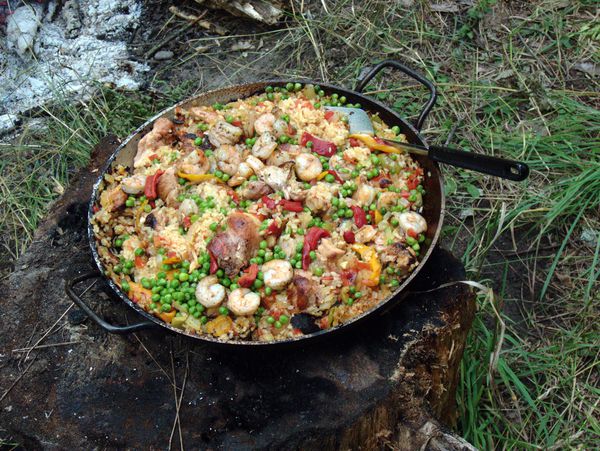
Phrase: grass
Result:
[507,87]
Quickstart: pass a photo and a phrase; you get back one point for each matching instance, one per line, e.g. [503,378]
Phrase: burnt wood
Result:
[389,383]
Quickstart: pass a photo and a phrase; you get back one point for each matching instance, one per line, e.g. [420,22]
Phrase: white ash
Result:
[86,43]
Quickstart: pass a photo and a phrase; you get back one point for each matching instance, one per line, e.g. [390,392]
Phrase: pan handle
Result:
[69,285]
[411,73]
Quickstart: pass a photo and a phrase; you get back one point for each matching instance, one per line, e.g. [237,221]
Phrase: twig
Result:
[153,359]
[51,345]
[16,380]
[177,420]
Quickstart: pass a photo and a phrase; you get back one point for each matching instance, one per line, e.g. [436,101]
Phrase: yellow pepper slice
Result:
[167,317]
[171,260]
[139,294]
[367,253]
[199,178]
[378,217]
[322,175]
[374,145]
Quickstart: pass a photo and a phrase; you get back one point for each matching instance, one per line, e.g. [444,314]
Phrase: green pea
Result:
[357,295]
[283,139]
[130,202]
[269,89]
[268,290]
[289,86]
[223,310]
[396,129]
[125,285]
[348,214]
[277,324]
[394,283]
[270,96]
[313,255]
[270,319]
[297,87]
[309,144]
[321,93]
[317,105]
[183,276]
[166,307]
[329,178]
[218,173]
[298,265]
[318,272]
[342,100]
[261,252]
[198,141]
[213,226]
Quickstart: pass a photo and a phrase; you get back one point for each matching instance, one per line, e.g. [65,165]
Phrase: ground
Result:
[516,79]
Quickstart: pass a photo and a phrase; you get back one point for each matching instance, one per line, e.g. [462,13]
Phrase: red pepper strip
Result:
[187,222]
[412,233]
[249,276]
[274,229]
[412,182]
[139,261]
[214,266]
[320,146]
[311,240]
[405,194]
[329,115]
[96,208]
[151,183]
[237,123]
[291,205]
[270,203]
[348,277]
[336,175]
[360,217]
[355,142]
[349,237]
[234,196]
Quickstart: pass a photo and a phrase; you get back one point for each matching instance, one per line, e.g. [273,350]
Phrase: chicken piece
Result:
[228,159]
[113,200]
[160,135]
[318,197]
[234,247]
[388,199]
[129,247]
[276,177]
[365,234]
[358,155]
[327,249]
[287,152]
[224,133]
[168,188]
[264,146]
[398,256]
[301,292]
[204,114]
[188,208]
[255,190]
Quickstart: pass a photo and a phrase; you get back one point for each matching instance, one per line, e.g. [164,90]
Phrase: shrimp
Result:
[242,301]
[365,194]
[388,199]
[264,146]
[134,184]
[113,199]
[161,129]
[224,133]
[264,123]
[207,116]
[308,166]
[277,274]
[276,177]
[209,292]
[228,159]
[411,220]
[194,163]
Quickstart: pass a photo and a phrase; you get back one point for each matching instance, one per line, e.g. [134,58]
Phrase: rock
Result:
[72,17]
[163,55]
[590,236]
[22,29]
[8,122]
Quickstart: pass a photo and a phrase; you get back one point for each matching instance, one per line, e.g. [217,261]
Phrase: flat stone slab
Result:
[66,384]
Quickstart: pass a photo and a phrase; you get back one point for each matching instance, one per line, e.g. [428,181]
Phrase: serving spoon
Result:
[361,128]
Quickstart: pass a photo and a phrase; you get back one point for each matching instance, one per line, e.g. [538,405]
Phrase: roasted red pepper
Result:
[329,115]
[336,175]
[274,229]
[291,205]
[214,266]
[349,237]
[151,184]
[320,146]
[412,182]
[270,203]
[354,142]
[311,240]
[139,261]
[249,276]
[348,277]
[411,233]
[360,217]
[237,123]
[187,222]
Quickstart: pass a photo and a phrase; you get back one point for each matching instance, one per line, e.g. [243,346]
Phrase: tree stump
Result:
[66,384]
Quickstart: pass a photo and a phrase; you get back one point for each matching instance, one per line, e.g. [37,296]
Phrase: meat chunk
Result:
[168,188]
[160,135]
[301,292]
[398,256]
[328,250]
[112,200]
[234,247]
[255,190]
[224,133]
